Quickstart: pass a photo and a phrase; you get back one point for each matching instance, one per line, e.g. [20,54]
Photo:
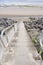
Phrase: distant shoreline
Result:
[37,6]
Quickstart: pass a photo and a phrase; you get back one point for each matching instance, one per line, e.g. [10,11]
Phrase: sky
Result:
[21,2]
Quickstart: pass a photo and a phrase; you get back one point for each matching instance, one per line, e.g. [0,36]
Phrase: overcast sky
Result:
[22,1]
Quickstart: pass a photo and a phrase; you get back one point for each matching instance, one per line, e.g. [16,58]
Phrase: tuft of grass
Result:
[34,40]
[42,55]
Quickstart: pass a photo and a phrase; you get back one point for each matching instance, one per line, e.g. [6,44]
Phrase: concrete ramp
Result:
[23,55]
[23,50]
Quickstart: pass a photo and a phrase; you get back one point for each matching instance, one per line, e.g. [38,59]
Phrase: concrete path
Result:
[23,50]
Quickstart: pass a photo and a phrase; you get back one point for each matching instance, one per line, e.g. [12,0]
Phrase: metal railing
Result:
[41,45]
[4,32]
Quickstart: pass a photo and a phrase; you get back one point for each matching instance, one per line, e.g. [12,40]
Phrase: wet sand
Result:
[23,11]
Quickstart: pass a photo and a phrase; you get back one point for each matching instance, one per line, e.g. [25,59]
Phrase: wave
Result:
[21,3]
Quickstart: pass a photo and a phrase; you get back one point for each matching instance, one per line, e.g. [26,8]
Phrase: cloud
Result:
[21,0]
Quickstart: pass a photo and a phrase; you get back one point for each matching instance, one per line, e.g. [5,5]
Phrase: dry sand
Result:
[21,11]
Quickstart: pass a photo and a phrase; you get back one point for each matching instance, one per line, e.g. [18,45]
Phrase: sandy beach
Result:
[23,11]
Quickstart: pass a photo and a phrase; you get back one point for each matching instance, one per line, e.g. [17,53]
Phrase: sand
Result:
[23,11]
